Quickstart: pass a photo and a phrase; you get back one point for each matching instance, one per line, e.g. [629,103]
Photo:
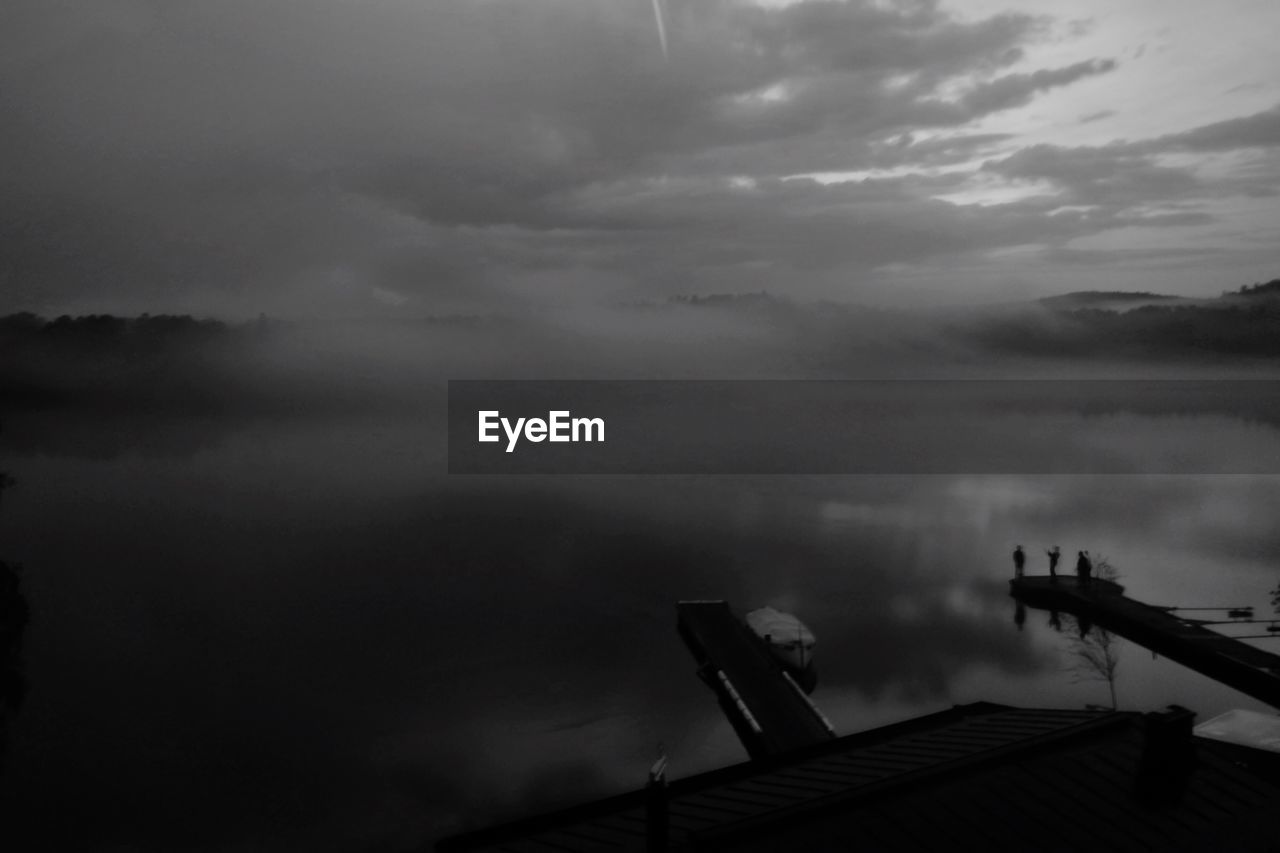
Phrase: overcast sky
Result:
[359,157]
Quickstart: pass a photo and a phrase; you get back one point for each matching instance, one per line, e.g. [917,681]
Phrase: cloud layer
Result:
[328,156]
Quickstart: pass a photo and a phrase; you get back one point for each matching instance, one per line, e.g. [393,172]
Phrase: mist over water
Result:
[286,625]
[251,246]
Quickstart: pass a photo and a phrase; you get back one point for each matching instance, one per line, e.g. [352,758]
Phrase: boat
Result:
[790,641]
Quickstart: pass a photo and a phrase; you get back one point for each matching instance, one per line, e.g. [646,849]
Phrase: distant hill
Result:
[1113,300]
[1128,300]
[729,300]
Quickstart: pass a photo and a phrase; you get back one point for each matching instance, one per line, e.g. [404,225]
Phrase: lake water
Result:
[282,634]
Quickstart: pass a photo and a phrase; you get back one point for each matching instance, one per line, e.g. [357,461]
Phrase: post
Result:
[656,818]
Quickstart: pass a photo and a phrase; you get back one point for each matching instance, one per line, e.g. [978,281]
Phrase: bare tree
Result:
[1103,569]
[1095,652]
[1096,657]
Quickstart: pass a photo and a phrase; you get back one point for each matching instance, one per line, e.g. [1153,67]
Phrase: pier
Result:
[1239,665]
[770,713]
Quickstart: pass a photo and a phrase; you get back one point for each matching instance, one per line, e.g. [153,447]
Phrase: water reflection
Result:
[302,634]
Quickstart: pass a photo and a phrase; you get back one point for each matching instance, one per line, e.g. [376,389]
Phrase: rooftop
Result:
[977,776]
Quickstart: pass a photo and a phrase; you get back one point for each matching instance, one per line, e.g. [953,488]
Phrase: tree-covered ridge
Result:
[1270,288]
[1187,330]
[113,359]
[1082,326]
[1086,297]
[1098,298]
[111,327]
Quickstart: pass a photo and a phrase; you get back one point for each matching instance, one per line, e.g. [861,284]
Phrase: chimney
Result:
[1168,755]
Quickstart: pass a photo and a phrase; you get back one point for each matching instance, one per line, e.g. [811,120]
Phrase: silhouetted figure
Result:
[1055,554]
[1020,615]
[1055,621]
[1019,560]
[1084,568]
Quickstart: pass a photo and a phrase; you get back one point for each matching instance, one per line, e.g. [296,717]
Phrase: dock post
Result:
[656,817]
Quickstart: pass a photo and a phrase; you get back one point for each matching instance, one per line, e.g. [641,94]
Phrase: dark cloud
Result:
[329,155]
[1015,90]
[1100,175]
[1260,130]
[1143,183]
[1168,255]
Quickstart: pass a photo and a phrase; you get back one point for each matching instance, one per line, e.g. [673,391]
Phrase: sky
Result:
[408,157]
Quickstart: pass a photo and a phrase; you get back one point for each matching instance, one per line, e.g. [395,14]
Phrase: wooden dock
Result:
[770,713]
[1236,664]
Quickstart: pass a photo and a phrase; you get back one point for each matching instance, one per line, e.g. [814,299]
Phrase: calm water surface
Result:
[279,635]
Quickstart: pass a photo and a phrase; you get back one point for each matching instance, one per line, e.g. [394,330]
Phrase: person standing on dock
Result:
[1055,554]
[1019,560]
[1084,568]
